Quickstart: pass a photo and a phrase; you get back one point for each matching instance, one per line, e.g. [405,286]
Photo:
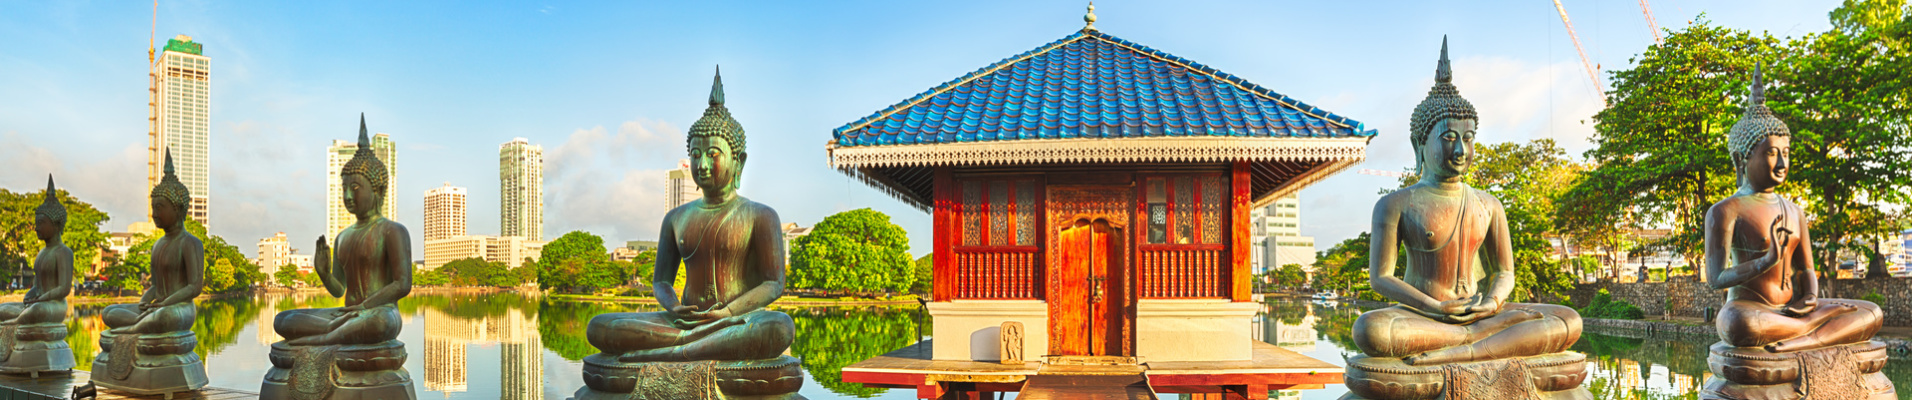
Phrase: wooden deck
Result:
[52,386]
[1271,368]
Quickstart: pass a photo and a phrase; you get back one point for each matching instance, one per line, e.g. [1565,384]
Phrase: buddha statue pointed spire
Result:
[170,188]
[717,87]
[50,206]
[716,120]
[1443,70]
[365,160]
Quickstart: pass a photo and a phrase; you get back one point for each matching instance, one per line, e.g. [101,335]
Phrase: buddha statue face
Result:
[1766,164]
[713,165]
[165,213]
[1447,150]
[361,197]
[47,228]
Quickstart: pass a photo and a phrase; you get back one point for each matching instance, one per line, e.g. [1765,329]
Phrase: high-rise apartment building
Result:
[1285,244]
[521,189]
[444,212]
[273,252]
[511,250]
[179,93]
[678,186]
[336,216]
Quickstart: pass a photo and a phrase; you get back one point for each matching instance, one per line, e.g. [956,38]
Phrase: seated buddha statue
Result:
[371,269]
[148,345]
[731,251]
[1448,313]
[1759,250]
[33,331]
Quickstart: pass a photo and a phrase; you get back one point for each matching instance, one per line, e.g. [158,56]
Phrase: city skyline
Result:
[612,120]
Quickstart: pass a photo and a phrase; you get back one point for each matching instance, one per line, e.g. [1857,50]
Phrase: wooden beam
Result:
[944,222]
[1240,288]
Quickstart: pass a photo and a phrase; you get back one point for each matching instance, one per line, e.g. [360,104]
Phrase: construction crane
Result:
[1592,73]
[1650,23]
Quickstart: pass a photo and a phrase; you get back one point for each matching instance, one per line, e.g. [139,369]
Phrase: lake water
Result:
[511,346]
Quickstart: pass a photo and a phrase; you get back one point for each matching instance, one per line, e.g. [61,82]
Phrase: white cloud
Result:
[599,182]
[114,182]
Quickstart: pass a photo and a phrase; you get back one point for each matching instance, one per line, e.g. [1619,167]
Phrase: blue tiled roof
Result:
[1093,85]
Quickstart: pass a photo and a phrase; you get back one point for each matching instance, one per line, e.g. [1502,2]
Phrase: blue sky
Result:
[608,89]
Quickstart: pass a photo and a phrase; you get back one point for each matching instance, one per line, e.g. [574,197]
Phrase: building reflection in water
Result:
[1292,329]
[521,366]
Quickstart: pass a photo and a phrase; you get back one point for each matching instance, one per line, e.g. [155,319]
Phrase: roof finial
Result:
[717,87]
[364,141]
[1442,72]
[1090,17]
[1758,95]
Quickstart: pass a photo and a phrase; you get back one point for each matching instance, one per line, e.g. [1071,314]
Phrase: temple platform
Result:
[55,386]
[1271,368]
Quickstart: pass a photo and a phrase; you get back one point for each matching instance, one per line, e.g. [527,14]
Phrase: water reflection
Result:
[1621,364]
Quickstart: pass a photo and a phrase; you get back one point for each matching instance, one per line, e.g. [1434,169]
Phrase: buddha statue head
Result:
[170,198]
[716,146]
[1760,143]
[49,220]
[363,178]
[1443,127]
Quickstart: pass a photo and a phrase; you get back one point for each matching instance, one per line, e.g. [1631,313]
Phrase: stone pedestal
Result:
[162,363]
[344,372]
[1839,372]
[37,348]
[1554,376]
[607,378]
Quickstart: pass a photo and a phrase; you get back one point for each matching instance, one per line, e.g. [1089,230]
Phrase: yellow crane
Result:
[1592,73]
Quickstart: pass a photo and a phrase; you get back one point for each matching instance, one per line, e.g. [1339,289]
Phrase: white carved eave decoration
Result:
[1062,151]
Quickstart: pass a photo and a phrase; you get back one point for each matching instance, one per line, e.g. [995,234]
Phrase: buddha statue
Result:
[33,331]
[716,337]
[1453,331]
[371,270]
[148,346]
[1759,250]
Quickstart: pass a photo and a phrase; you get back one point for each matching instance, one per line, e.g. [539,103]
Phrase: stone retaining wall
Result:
[1686,296]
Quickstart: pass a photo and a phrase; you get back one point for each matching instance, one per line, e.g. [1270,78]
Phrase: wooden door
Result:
[1089,305]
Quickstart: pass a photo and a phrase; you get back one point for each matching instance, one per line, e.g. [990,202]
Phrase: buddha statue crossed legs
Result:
[1448,328]
[1759,250]
[731,249]
[351,351]
[33,331]
[148,348]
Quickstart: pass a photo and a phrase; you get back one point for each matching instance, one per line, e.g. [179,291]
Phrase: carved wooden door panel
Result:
[1069,294]
[1106,277]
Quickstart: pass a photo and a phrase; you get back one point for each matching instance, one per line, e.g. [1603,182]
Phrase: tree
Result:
[241,270]
[286,276]
[132,268]
[925,272]
[562,263]
[857,250]
[1660,155]
[1290,275]
[430,277]
[19,244]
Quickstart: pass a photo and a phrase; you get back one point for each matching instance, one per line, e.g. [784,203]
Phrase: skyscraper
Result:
[521,189]
[178,95]
[336,216]
[679,188]
[444,212]
[1285,245]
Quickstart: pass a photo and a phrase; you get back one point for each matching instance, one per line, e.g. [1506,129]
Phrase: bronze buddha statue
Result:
[1452,297]
[33,330]
[1759,250]
[731,251]
[148,348]
[371,270]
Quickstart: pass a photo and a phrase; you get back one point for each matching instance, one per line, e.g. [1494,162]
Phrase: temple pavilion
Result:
[1097,191]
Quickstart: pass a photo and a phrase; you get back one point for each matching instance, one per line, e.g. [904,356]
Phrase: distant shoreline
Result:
[785,301]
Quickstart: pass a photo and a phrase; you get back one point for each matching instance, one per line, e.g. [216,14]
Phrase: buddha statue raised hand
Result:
[731,252]
[351,351]
[1460,270]
[1759,250]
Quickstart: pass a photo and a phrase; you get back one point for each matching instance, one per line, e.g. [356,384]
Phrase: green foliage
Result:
[1344,266]
[576,261]
[288,276]
[1605,307]
[830,339]
[1290,275]
[856,251]
[431,277]
[1874,297]
[127,273]
[310,279]
[241,271]
[19,244]
[925,272]
[220,276]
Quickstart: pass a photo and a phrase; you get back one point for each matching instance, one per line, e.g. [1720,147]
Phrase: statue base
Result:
[1554,376]
[343,372]
[607,378]
[162,363]
[1840,372]
[38,348]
